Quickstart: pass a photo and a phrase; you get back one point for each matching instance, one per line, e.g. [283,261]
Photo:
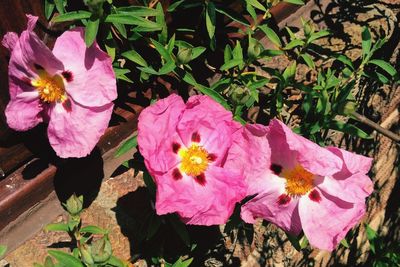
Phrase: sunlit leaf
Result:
[210,19]
[66,259]
[126,146]
[384,65]
[271,35]
[74,15]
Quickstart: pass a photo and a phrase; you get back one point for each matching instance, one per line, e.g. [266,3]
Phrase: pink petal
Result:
[208,204]
[75,133]
[250,152]
[93,80]
[353,162]
[10,40]
[157,133]
[326,223]
[268,205]
[211,122]
[285,145]
[22,112]
[350,184]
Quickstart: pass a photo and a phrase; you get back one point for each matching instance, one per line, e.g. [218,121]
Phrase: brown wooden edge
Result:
[25,197]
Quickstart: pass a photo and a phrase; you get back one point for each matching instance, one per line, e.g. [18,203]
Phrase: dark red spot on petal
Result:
[201,179]
[67,75]
[176,174]
[277,169]
[175,147]
[196,137]
[314,196]
[67,105]
[38,67]
[212,157]
[283,199]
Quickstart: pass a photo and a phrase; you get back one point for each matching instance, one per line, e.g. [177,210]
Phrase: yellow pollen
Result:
[50,89]
[194,160]
[298,181]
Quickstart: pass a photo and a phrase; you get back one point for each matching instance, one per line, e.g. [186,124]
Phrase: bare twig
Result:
[376,127]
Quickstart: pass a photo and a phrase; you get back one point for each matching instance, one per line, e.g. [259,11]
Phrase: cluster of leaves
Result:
[383,255]
[90,244]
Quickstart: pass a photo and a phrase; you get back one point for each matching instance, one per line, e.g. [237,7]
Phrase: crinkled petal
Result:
[10,40]
[208,204]
[157,133]
[272,204]
[92,81]
[75,131]
[212,123]
[250,153]
[353,162]
[351,184]
[326,223]
[285,144]
[23,111]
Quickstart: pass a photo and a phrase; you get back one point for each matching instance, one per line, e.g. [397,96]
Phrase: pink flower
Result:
[302,186]
[71,88]
[185,147]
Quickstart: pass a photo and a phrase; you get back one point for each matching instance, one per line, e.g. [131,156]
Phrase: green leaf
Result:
[294,240]
[60,6]
[115,262]
[231,63]
[237,52]
[308,60]
[148,70]
[294,43]
[126,146]
[182,263]
[167,68]
[134,56]
[91,31]
[48,8]
[210,19]
[66,259]
[256,4]
[345,243]
[290,71]
[74,15]
[138,11]
[344,59]
[132,20]
[366,42]
[174,5]
[92,229]
[232,14]
[271,53]
[187,77]
[384,65]
[197,51]
[161,50]
[3,250]
[180,228]
[349,129]
[303,242]
[160,19]
[296,2]
[57,227]
[318,35]
[371,233]
[121,29]
[271,35]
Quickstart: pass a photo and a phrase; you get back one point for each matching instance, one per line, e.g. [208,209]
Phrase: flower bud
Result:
[86,254]
[184,55]
[101,249]
[346,108]
[74,205]
[239,94]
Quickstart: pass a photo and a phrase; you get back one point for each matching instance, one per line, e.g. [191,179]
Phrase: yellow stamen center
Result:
[298,181]
[194,160]
[50,89]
